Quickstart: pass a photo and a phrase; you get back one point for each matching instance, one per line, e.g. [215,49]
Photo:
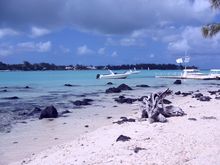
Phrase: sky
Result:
[101,32]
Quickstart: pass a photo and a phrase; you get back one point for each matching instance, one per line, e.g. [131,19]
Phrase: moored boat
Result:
[113,75]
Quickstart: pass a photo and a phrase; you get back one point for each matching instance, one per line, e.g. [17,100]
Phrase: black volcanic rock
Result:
[124,87]
[113,90]
[177,82]
[186,94]
[83,102]
[178,93]
[123,138]
[143,86]
[109,83]
[122,99]
[123,120]
[11,98]
[197,95]
[68,85]
[49,112]
[205,98]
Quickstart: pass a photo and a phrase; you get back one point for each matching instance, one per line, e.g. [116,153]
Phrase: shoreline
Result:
[178,130]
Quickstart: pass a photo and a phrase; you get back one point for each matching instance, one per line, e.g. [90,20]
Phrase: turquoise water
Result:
[48,86]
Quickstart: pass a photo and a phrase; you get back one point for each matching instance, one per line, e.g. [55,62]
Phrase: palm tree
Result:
[212,29]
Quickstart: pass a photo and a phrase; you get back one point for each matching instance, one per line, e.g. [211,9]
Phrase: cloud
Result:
[84,50]
[191,39]
[64,49]
[22,47]
[180,45]
[114,54]
[152,55]
[37,32]
[6,49]
[7,32]
[101,51]
[113,16]
[34,47]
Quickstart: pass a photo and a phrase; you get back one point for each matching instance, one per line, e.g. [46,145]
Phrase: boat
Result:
[215,73]
[133,71]
[192,74]
[113,75]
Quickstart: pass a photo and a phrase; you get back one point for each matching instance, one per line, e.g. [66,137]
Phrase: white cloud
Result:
[34,47]
[152,55]
[101,51]
[84,50]
[191,39]
[43,46]
[37,32]
[180,45]
[114,54]
[64,49]
[7,32]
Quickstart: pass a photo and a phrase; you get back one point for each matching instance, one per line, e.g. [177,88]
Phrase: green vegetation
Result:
[212,29]
[26,66]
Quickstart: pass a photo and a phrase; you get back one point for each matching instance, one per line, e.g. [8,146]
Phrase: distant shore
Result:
[27,66]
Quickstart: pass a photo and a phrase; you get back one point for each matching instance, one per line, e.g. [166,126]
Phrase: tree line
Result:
[27,66]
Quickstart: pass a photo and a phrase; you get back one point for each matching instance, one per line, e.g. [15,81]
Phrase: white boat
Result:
[113,75]
[215,73]
[192,74]
[133,71]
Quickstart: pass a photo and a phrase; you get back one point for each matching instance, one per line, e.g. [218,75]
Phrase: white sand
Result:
[179,141]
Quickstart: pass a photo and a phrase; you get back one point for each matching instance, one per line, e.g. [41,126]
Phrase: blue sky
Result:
[100,32]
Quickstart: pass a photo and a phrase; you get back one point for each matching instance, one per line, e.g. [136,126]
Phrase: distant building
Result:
[69,68]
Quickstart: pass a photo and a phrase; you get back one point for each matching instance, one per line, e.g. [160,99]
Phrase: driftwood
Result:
[153,108]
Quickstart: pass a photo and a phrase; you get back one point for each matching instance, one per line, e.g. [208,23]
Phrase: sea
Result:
[44,88]
[19,131]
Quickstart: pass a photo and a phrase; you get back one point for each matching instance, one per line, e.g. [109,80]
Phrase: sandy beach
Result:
[191,139]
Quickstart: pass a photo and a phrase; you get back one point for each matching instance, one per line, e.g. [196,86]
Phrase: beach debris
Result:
[209,117]
[108,117]
[143,86]
[123,120]
[109,83]
[83,102]
[49,112]
[123,138]
[177,82]
[122,99]
[153,108]
[193,119]
[11,98]
[86,126]
[113,90]
[205,98]
[124,87]
[178,93]
[137,149]
[27,87]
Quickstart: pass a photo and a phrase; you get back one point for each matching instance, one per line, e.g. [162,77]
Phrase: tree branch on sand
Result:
[153,108]
[212,29]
